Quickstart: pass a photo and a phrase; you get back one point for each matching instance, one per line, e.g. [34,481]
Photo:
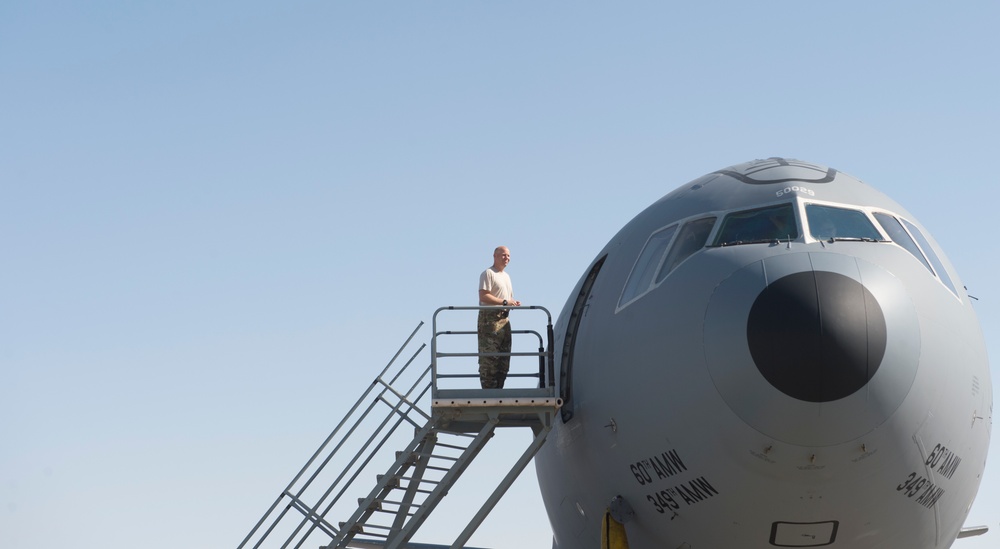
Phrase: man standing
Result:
[494,327]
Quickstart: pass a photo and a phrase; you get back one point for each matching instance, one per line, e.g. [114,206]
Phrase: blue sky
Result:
[219,220]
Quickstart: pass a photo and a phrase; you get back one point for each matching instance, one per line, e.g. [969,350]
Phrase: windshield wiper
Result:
[852,239]
[758,241]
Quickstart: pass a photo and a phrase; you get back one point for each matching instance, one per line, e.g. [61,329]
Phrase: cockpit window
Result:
[899,235]
[690,239]
[929,252]
[645,267]
[771,224]
[830,223]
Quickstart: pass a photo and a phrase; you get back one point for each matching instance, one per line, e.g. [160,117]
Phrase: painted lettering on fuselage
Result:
[696,491]
[865,455]
[664,465]
[920,490]
[944,460]
[691,492]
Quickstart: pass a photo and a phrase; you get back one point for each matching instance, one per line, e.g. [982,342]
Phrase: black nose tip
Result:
[816,336]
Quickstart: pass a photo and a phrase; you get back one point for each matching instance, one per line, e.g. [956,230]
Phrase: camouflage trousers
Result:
[494,337]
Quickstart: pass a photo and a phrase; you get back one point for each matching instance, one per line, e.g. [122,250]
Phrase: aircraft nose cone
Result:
[816,336]
[812,348]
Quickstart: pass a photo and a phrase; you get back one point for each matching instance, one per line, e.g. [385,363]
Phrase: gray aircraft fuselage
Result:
[772,355]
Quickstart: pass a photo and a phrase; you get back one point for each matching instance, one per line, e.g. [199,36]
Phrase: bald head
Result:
[501,257]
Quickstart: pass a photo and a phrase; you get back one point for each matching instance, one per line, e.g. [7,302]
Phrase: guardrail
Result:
[545,372]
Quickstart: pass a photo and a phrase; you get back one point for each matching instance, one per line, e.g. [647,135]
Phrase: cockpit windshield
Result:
[830,223]
[762,225]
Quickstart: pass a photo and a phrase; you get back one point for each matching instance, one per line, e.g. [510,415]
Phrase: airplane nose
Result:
[812,348]
[816,336]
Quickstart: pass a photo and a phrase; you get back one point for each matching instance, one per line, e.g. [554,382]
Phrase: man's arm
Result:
[490,299]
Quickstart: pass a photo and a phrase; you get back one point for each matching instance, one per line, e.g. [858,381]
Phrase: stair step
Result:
[422,481]
[379,530]
[400,503]
[452,446]
[432,467]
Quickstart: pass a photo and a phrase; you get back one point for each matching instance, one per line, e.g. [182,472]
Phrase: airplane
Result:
[775,354]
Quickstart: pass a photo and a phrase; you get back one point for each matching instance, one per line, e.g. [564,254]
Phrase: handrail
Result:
[319,451]
[546,373]
[355,446]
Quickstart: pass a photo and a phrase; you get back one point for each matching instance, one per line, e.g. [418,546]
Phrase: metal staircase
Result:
[444,442]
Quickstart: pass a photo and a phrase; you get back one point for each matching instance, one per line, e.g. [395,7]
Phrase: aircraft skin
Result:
[764,391]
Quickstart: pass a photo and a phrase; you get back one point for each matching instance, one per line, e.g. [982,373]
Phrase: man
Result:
[494,327]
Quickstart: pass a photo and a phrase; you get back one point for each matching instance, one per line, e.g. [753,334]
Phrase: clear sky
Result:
[218,220]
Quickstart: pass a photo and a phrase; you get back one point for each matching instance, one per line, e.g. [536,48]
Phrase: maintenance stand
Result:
[445,441]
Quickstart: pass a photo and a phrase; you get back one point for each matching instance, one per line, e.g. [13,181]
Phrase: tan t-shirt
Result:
[496,283]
